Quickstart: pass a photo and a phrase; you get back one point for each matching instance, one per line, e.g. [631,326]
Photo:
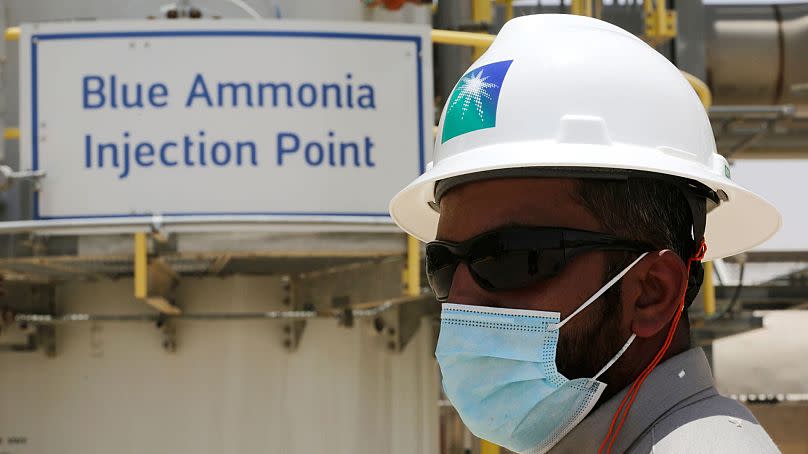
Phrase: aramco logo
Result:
[473,104]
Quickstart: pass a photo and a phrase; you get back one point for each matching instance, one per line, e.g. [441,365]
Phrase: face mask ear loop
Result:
[597,294]
[616,357]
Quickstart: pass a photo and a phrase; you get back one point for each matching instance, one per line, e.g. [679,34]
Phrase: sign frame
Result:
[31,38]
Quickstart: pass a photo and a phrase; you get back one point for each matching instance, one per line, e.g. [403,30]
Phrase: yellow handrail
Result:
[462,38]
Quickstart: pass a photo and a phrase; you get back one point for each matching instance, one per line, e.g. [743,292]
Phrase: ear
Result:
[656,291]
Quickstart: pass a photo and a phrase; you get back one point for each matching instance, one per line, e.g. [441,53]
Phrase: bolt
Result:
[170,345]
[287,343]
[391,331]
[378,324]
[391,345]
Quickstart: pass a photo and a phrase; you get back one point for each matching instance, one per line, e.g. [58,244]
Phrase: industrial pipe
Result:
[701,88]
[755,111]
[47,319]
[773,36]
[207,223]
[462,38]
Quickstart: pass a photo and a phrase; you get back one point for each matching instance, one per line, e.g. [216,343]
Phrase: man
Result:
[575,190]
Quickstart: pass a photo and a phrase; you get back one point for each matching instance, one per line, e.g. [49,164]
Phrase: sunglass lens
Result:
[515,269]
[440,267]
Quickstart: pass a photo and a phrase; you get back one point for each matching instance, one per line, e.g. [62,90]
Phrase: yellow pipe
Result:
[481,11]
[11,133]
[581,7]
[486,447]
[12,33]
[701,89]
[462,38]
[508,4]
[708,291]
[141,266]
[413,266]
[480,14]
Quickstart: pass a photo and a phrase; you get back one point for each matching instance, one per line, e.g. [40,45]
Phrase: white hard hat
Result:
[563,91]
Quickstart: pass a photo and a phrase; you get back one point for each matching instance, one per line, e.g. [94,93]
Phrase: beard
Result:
[584,348]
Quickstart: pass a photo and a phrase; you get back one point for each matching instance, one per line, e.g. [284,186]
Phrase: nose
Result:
[465,290]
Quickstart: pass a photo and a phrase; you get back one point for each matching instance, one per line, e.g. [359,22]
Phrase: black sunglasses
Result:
[512,258]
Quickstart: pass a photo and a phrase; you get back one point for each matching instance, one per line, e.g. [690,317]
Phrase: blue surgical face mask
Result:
[499,371]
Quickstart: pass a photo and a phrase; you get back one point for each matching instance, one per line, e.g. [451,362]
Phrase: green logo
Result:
[726,171]
[473,104]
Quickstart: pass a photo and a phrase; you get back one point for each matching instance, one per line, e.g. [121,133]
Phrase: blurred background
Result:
[272,333]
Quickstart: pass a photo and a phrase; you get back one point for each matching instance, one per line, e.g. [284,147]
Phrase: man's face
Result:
[593,336]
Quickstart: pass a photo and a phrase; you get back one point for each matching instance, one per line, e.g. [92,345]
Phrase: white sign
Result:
[294,119]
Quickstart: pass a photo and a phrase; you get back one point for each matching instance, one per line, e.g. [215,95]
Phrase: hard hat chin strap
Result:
[698,212]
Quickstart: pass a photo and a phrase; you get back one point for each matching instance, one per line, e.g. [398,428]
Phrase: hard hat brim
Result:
[743,221]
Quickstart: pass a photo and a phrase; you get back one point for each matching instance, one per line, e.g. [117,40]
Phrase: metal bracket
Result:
[19,338]
[402,322]
[169,331]
[292,329]
[405,319]
[46,338]
[660,23]
[28,298]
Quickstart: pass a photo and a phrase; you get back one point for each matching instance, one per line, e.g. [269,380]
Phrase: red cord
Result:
[622,413]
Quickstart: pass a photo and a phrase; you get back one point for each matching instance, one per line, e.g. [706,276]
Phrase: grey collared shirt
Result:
[678,410]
